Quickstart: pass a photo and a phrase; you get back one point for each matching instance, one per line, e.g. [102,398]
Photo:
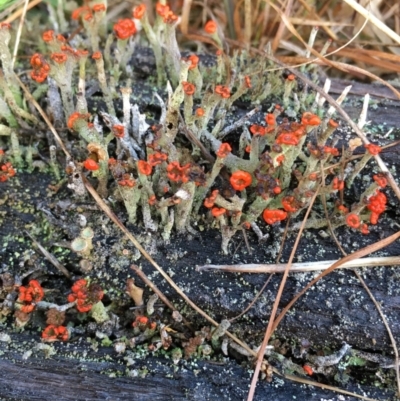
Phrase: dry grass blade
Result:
[201,38]
[352,68]
[320,23]
[304,267]
[19,32]
[282,24]
[311,22]
[262,28]
[305,61]
[19,12]
[379,24]
[286,22]
[340,66]
[369,60]
[236,20]
[50,257]
[381,55]
[228,11]
[298,61]
[10,8]
[187,5]
[247,21]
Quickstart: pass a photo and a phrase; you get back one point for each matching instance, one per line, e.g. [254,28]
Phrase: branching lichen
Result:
[198,156]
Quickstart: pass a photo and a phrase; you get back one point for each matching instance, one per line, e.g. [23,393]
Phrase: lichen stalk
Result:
[54,163]
[156,47]
[184,208]
[62,74]
[131,198]
[19,113]
[103,83]
[81,103]
[202,190]
[7,64]
[173,55]
[16,148]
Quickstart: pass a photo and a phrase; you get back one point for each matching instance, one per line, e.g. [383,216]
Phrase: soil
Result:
[334,311]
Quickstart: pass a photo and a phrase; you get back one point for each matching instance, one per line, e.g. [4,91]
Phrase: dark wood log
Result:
[336,310]
[78,373]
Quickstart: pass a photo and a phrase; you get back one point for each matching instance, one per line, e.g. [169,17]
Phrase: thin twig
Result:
[17,13]
[44,116]
[150,284]
[326,387]
[19,32]
[270,328]
[379,24]
[282,26]
[155,289]
[50,257]
[187,4]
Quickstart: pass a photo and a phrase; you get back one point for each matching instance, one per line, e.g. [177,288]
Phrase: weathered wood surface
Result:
[72,379]
[336,310]
[387,112]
